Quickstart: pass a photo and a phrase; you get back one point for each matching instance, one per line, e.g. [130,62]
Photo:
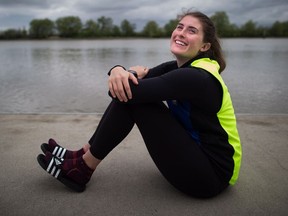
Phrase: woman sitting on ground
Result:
[193,141]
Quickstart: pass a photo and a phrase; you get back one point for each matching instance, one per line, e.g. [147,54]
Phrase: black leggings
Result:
[177,156]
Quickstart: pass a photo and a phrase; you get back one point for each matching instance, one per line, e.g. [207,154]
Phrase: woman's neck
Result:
[184,61]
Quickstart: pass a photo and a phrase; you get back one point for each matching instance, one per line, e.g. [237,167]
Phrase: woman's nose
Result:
[182,33]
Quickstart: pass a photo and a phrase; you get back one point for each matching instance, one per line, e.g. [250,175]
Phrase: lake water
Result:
[71,76]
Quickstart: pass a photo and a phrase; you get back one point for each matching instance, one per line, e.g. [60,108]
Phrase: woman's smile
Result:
[181,43]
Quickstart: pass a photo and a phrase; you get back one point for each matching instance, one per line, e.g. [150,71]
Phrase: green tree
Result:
[105,25]
[234,31]
[262,31]
[222,24]
[127,29]
[24,33]
[279,29]
[91,29]
[13,34]
[276,29]
[285,29]
[152,30]
[69,26]
[249,29]
[116,32]
[169,27]
[41,28]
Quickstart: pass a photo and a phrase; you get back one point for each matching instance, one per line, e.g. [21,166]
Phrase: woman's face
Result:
[187,39]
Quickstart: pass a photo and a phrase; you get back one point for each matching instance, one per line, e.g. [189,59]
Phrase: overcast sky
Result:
[19,13]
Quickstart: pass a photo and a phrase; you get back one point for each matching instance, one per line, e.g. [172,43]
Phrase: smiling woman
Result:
[194,141]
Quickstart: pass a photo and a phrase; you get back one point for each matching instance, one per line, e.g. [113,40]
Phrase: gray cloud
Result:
[18,13]
[26,3]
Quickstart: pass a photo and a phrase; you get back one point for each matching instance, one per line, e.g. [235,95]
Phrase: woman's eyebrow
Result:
[189,27]
[193,28]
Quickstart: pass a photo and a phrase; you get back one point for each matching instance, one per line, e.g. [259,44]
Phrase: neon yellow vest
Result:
[225,115]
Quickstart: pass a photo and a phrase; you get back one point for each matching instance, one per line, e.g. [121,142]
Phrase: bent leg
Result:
[113,127]
[181,160]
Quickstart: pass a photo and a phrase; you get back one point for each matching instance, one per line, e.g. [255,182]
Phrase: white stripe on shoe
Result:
[59,151]
[63,153]
[53,170]
[55,150]
[57,173]
[50,165]
[53,166]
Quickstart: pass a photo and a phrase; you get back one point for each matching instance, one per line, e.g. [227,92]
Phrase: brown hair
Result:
[210,36]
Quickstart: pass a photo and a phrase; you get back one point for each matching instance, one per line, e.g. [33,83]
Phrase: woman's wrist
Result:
[146,70]
[140,70]
[134,73]
[114,68]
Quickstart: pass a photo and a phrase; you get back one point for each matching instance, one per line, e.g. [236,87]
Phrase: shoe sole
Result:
[67,182]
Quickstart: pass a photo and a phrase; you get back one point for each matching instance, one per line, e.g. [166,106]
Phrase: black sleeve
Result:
[191,84]
[161,69]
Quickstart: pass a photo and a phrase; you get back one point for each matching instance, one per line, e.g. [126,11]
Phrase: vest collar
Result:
[189,62]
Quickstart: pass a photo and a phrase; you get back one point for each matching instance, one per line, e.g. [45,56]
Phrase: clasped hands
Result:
[118,81]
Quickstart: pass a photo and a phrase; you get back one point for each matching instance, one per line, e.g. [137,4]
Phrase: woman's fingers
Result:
[116,87]
[119,85]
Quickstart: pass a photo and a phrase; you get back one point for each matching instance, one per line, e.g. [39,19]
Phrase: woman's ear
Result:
[205,47]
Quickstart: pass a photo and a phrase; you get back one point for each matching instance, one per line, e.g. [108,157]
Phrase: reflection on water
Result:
[71,76]
[257,75]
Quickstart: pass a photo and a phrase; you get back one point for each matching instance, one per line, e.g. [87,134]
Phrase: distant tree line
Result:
[103,27]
